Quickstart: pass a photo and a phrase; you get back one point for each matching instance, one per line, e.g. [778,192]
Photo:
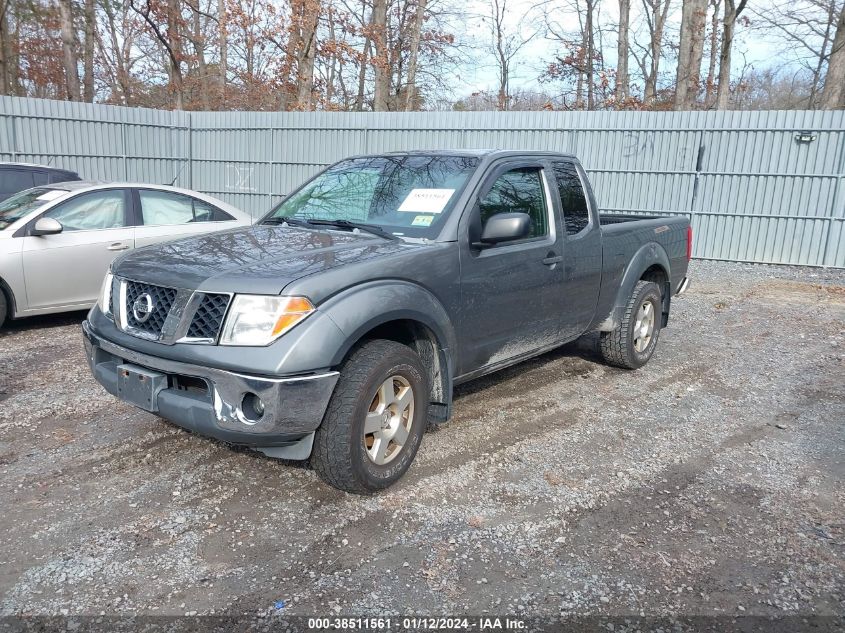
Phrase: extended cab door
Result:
[510,292]
[67,269]
[582,249]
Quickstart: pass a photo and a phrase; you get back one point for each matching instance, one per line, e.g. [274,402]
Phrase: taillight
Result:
[689,243]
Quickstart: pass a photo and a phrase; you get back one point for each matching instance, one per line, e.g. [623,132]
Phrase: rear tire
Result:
[383,389]
[632,343]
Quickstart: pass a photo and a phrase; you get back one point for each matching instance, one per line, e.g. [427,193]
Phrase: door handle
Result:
[118,246]
[552,259]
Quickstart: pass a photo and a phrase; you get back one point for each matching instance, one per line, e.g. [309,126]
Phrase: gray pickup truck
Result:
[336,328]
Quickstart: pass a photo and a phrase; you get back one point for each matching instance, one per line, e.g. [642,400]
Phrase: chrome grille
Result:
[208,318]
[161,300]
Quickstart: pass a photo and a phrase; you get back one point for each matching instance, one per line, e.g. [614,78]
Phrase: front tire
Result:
[631,345]
[375,420]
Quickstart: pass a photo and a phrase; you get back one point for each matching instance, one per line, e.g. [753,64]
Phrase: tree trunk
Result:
[223,67]
[305,62]
[199,47]
[657,22]
[690,52]
[4,47]
[622,80]
[710,88]
[174,38]
[88,52]
[416,36]
[590,43]
[732,12]
[833,93]
[381,57]
[362,76]
[71,62]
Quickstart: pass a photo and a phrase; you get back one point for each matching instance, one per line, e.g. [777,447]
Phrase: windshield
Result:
[14,208]
[404,195]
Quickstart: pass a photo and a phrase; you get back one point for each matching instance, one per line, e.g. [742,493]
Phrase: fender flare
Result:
[648,255]
[359,309]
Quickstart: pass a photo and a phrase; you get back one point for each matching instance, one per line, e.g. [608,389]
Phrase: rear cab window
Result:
[573,199]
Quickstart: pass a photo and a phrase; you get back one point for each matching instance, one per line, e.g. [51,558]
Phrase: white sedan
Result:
[57,241]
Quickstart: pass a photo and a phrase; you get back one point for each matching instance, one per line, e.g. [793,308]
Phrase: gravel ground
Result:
[710,482]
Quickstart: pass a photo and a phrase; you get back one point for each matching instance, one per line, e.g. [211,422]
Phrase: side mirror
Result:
[505,227]
[46,226]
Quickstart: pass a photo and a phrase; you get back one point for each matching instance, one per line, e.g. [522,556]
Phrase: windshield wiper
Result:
[310,223]
[361,226]
[288,221]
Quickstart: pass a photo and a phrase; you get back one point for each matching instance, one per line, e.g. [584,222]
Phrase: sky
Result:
[750,48]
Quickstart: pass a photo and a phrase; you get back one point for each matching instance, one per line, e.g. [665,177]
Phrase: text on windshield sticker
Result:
[426,200]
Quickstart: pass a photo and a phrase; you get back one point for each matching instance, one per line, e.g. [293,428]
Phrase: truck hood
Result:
[254,260]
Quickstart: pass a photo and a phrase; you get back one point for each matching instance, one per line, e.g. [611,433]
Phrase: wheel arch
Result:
[6,289]
[417,320]
[650,263]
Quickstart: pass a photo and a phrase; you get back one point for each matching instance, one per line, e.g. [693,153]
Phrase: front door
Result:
[511,291]
[67,269]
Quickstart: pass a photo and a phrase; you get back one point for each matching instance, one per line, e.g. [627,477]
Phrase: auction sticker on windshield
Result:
[422,220]
[426,200]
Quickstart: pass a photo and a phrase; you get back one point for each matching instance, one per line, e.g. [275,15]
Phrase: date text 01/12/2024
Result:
[484,623]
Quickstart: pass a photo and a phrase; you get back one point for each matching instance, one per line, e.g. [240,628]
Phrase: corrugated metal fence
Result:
[758,186]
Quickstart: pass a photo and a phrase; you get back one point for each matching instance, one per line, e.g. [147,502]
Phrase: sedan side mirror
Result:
[46,226]
[505,227]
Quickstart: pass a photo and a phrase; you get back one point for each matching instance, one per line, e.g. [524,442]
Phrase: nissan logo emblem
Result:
[142,308]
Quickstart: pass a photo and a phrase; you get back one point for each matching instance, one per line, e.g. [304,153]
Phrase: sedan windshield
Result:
[14,208]
[402,195]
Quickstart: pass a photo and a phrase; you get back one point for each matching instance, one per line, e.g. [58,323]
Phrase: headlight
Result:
[104,302]
[259,320]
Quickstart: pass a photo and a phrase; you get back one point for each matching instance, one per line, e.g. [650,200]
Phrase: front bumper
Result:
[208,401]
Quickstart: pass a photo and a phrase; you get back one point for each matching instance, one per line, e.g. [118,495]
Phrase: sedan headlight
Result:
[104,302]
[257,320]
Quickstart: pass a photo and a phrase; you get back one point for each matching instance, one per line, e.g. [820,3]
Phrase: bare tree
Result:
[69,48]
[713,55]
[381,57]
[833,94]
[623,81]
[690,53]
[90,23]
[416,35]
[506,44]
[732,12]
[806,28]
[656,12]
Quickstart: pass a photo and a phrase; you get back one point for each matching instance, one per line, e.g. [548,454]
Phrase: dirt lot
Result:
[709,482]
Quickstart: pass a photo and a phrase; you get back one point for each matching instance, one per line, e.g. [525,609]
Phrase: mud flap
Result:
[299,450]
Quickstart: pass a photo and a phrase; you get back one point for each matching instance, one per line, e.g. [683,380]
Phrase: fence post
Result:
[832,229]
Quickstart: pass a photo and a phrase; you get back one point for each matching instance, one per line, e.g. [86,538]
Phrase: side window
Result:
[518,191]
[14,180]
[164,207]
[204,212]
[573,202]
[39,178]
[91,211]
